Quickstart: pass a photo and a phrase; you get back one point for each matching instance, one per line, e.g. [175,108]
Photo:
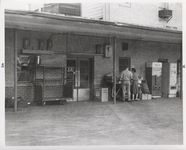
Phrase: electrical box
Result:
[154,77]
[104,94]
[169,80]
[108,51]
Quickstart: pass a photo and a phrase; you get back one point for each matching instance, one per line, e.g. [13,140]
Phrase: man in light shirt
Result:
[125,78]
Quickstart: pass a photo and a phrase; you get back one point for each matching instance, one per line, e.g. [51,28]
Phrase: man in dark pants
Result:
[125,78]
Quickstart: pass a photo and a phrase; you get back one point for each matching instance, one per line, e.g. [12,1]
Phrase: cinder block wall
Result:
[139,51]
[144,51]
[61,42]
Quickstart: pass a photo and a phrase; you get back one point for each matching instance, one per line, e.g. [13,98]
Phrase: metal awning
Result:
[47,22]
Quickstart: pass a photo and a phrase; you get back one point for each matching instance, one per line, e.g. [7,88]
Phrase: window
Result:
[124,46]
[124,62]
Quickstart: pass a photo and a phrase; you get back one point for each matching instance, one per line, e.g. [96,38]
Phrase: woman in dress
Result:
[134,85]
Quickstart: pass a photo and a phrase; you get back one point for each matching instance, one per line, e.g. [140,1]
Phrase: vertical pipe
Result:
[114,67]
[15,70]
[77,77]
[67,43]
[181,74]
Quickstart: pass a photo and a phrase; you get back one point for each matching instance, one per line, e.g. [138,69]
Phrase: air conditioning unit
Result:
[165,13]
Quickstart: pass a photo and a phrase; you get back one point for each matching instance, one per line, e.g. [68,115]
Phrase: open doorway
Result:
[124,62]
[81,83]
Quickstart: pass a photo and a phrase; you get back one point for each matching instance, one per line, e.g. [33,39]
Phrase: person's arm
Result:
[131,76]
[121,76]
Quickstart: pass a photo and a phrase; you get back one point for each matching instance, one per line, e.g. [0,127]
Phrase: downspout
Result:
[181,78]
[114,68]
[15,70]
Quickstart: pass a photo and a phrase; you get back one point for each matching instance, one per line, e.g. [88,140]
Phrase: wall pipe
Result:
[15,70]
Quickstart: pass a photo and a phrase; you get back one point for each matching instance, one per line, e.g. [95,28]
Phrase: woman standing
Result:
[134,85]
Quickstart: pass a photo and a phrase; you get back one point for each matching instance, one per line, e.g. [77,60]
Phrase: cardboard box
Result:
[146,96]
[104,95]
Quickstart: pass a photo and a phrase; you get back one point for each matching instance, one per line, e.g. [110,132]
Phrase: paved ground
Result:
[141,122]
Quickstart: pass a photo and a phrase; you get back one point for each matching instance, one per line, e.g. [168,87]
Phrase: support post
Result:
[114,67]
[181,75]
[15,70]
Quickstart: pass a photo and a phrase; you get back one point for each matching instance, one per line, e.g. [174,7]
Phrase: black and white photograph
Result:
[92,73]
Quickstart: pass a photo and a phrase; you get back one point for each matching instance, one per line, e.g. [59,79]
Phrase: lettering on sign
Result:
[69,69]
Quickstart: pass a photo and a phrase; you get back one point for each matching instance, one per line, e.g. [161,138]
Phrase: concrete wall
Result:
[9,58]
[139,51]
[33,36]
[93,10]
[146,14]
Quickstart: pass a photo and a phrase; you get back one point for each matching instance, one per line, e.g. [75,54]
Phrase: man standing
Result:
[125,78]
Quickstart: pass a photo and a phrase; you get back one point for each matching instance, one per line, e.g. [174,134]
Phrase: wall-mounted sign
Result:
[156,69]
[99,49]
[49,44]
[26,43]
[108,51]
[70,69]
[41,44]
[125,4]
[173,74]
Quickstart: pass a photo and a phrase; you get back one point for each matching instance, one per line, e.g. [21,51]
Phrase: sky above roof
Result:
[22,4]
[35,4]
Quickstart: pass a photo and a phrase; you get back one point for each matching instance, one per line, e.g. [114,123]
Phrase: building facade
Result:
[80,46]
[69,9]
[144,14]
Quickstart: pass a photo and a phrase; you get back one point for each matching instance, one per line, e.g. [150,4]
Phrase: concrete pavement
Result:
[95,123]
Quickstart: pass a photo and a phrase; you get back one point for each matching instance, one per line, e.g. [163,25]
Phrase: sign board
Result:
[173,80]
[56,60]
[70,69]
[108,51]
[156,69]
[173,74]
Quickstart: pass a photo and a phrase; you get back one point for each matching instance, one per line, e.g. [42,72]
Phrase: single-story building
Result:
[71,55]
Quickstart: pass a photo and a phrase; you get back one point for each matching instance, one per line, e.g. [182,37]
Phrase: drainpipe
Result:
[181,76]
[15,70]
[114,67]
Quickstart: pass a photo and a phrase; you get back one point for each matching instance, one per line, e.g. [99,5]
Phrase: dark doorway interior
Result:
[79,82]
[124,62]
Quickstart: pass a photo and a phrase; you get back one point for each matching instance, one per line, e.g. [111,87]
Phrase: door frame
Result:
[77,59]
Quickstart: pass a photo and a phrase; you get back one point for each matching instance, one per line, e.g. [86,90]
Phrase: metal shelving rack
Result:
[52,82]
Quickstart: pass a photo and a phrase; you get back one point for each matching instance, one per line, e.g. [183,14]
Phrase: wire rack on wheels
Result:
[53,84]
[69,83]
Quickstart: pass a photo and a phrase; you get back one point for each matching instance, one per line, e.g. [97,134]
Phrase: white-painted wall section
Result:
[143,14]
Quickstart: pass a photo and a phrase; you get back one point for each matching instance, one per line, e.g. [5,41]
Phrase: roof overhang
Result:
[44,22]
